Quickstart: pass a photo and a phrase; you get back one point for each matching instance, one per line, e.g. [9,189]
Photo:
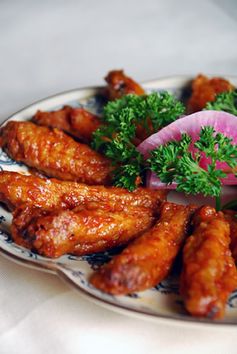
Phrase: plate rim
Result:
[121,308]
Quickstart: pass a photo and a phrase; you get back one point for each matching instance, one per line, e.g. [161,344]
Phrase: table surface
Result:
[52,46]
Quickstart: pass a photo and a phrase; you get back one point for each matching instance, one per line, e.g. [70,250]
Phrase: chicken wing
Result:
[119,85]
[148,259]
[56,233]
[209,274]
[49,194]
[230,216]
[76,121]
[54,153]
[205,90]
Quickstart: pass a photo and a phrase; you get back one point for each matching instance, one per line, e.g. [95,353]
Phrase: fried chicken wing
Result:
[49,194]
[76,121]
[56,233]
[60,119]
[230,216]
[119,85]
[54,153]
[148,259]
[209,274]
[85,123]
[205,90]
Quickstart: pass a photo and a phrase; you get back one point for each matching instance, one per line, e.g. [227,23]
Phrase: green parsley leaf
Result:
[175,162]
[226,101]
[116,139]
[162,109]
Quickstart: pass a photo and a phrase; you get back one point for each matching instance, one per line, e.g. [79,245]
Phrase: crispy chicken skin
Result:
[119,85]
[230,216]
[56,233]
[54,153]
[50,194]
[205,90]
[148,259]
[60,119]
[76,121]
[209,274]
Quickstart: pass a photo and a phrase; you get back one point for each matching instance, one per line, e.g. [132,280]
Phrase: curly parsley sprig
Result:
[122,118]
[226,101]
[176,162]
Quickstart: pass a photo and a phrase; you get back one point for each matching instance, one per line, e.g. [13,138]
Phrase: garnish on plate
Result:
[226,101]
[127,121]
[177,162]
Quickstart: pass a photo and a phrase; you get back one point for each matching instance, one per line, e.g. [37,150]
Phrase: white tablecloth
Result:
[51,46]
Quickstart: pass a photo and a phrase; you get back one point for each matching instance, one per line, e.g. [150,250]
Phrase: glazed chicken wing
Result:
[148,259]
[230,216]
[76,121]
[209,274]
[49,194]
[119,85]
[56,233]
[54,153]
[205,90]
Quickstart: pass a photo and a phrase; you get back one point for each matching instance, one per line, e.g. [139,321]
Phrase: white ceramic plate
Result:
[160,303]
